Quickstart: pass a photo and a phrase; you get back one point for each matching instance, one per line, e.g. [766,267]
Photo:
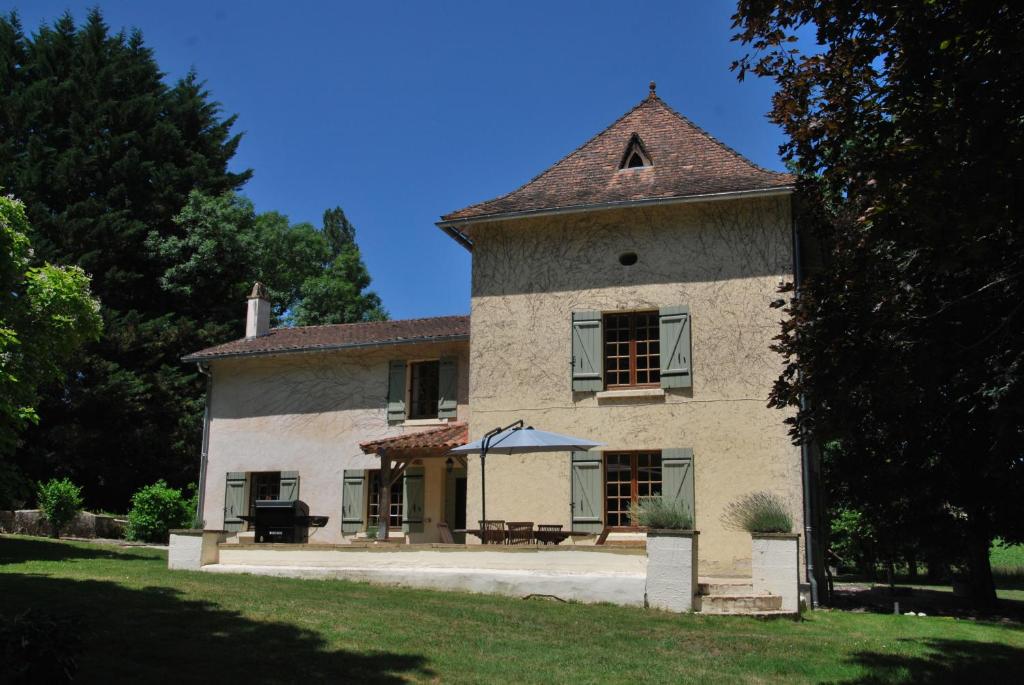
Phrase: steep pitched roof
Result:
[341,336]
[686,161]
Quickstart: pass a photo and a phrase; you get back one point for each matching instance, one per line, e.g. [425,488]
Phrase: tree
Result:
[907,341]
[46,315]
[336,294]
[104,153]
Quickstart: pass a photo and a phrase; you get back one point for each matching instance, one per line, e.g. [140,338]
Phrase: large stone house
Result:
[623,295]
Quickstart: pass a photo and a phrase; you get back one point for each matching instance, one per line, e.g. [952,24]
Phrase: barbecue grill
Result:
[283,520]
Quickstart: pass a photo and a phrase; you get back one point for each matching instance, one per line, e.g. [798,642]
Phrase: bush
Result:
[658,512]
[60,500]
[758,512]
[156,509]
[36,647]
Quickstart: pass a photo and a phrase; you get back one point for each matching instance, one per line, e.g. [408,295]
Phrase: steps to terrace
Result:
[736,597]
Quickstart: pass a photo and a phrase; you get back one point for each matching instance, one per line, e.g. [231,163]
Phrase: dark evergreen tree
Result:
[104,154]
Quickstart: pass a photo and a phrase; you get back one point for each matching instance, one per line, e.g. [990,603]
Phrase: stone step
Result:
[725,588]
[740,604]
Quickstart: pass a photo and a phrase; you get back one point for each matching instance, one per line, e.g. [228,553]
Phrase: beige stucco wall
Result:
[725,260]
[308,412]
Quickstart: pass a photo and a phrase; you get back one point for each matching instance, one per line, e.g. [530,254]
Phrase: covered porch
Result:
[417,494]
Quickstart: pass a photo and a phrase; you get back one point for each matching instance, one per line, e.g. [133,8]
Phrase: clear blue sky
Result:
[402,111]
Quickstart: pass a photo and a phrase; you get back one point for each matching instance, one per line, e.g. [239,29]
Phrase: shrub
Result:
[658,512]
[60,500]
[37,647]
[758,512]
[156,509]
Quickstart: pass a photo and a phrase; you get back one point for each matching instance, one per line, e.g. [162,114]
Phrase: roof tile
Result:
[686,161]
[434,439]
[340,336]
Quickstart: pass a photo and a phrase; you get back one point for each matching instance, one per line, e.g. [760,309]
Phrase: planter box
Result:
[775,562]
[672,570]
[192,549]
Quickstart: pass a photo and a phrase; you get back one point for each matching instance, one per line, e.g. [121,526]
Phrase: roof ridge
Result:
[551,167]
[367,323]
[728,148]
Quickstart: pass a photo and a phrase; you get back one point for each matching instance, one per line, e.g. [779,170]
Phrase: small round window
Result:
[627,258]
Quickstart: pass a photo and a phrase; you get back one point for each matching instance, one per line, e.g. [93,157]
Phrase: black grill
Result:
[281,520]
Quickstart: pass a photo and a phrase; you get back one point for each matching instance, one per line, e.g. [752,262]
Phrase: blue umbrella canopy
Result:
[526,440]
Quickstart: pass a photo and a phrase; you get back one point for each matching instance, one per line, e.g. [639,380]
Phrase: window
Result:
[635,156]
[373,513]
[263,486]
[628,477]
[631,350]
[423,390]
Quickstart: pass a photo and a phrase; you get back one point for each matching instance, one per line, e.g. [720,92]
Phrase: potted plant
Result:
[671,553]
[774,546]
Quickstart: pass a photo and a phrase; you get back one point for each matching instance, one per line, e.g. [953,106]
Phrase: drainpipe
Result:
[205,449]
[807,473]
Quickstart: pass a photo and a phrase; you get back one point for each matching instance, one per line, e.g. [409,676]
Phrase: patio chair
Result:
[520,532]
[547,528]
[492,532]
[446,533]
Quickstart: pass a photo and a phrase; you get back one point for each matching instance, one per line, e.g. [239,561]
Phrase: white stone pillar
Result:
[185,550]
[775,562]
[672,570]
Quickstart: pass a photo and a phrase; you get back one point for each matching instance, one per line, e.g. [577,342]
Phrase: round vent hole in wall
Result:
[627,258]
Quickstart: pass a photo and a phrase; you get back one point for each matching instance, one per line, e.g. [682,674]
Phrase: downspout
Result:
[805,450]
[205,449]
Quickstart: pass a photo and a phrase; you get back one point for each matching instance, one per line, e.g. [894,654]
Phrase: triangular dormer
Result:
[636,156]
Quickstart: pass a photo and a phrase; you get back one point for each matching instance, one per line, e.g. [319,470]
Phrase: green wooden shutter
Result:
[234,501]
[396,391]
[289,485]
[587,503]
[412,500]
[677,478]
[352,509]
[587,360]
[448,388]
[676,367]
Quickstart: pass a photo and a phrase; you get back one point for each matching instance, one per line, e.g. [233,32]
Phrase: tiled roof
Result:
[686,161]
[434,439]
[340,336]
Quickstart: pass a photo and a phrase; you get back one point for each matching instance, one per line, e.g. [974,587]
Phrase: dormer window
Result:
[636,156]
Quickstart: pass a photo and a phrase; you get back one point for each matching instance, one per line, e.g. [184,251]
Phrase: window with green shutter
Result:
[289,485]
[396,391]
[676,362]
[352,509]
[448,388]
[678,479]
[234,501]
[587,502]
[412,516]
[587,360]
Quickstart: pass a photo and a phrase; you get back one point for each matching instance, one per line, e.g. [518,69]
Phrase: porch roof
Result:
[426,443]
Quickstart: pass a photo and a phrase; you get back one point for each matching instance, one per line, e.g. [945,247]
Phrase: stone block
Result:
[775,563]
[672,570]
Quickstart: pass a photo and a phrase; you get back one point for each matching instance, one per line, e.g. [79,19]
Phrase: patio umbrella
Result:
[515,439]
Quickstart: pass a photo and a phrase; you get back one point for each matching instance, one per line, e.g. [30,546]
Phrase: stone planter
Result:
[192,549]
[672,570]
[775,562]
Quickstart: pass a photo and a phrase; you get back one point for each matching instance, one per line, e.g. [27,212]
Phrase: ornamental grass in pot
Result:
[671,583]
[774,558]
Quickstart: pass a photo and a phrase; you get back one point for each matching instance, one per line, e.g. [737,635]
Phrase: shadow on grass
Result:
[948,661]
[154,634]
[16,550]
[934,602]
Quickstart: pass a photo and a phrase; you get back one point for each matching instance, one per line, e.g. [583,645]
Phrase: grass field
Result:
[145,623]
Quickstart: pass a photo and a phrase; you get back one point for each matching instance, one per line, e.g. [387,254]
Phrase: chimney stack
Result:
[257,320]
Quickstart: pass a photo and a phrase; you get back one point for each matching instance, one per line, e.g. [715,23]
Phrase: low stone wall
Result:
[583,575]
[192,549]
[84,525]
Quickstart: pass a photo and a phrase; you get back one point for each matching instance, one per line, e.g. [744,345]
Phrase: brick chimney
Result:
[257,320]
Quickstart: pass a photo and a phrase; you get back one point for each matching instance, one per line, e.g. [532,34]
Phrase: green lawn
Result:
[145,623]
